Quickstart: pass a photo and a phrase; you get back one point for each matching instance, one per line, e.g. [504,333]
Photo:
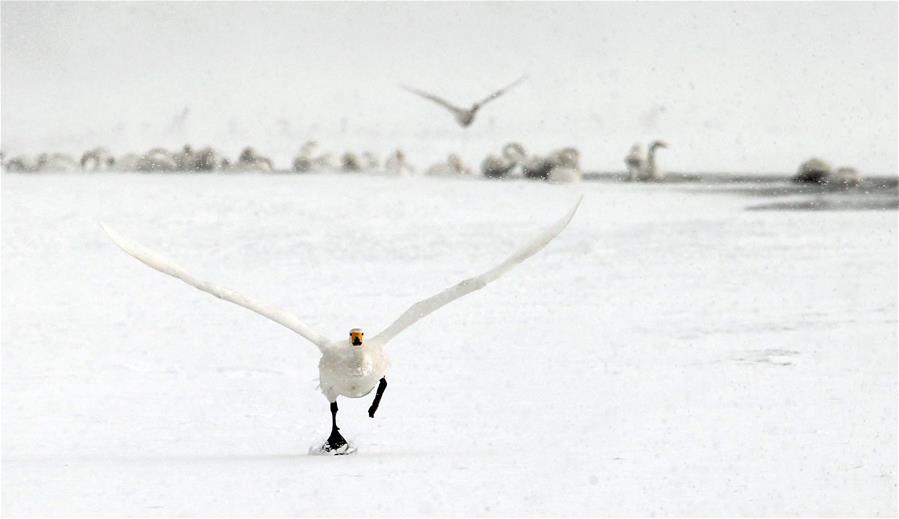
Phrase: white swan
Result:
[563,161]
[349,161]
[846,176]
[370,160]
[635,161]
[306,161]
[817,171]
[463,116]
[396,164]
[566,166]
[651,170]
[127,162]
[56,163]
[350,368]
[97,159]
[499,167]
[157,159]
[250,160]
[453,166]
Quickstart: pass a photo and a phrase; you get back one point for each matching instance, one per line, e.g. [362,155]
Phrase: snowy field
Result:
[670,353]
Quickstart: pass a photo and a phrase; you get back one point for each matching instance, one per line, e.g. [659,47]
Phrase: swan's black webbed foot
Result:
[382,385]
[336,440]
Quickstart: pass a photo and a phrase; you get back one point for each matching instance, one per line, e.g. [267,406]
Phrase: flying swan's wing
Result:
[502,91]
[427,306]
[155,261]
[431,97]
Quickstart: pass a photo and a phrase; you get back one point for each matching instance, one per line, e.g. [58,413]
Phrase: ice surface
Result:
[669,353]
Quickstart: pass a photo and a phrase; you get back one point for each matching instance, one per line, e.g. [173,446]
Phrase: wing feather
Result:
[502,91]
[157,262]
[427,306]
[431,97]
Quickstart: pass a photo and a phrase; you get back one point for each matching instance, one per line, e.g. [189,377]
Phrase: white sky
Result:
[733,87]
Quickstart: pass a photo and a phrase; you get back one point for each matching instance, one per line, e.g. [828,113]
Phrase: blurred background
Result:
[746,87]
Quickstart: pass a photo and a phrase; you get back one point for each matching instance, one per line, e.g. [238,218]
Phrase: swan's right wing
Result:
[502,91]
[431,97]
[427,306]
[155,261]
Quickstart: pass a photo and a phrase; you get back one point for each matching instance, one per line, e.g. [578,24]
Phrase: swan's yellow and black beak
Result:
[356,337]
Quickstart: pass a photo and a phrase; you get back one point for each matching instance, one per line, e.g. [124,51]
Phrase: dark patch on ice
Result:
[875,204]
[767,356]
[871,194]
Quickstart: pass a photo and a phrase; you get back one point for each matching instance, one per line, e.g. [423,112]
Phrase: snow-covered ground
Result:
[669,353]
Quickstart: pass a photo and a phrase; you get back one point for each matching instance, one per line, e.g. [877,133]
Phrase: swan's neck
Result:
[651,162]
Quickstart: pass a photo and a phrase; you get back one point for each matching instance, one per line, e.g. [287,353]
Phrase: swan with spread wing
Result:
[355,366]
[463,116]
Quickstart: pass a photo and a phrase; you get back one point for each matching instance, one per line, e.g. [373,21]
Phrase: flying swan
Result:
[350,368]
[463,116]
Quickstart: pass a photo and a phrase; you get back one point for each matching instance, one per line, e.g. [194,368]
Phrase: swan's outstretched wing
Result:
[425,307]
[153,260]
[502,91]
[431,97]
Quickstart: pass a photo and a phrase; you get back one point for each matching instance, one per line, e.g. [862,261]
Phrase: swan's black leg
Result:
[382,385]
[335,441]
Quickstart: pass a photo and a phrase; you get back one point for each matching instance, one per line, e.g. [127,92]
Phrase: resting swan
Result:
[651,171]
[350,367]
[452,167]
[499,167]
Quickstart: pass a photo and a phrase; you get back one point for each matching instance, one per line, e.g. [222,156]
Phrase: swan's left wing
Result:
[155,261]
[431,97]
[427,306]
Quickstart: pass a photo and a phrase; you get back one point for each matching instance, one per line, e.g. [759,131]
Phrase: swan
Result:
[846,176]
[250,160]
[452,167]
[127,162]
[207,159]
[536,167]
[55,163]
[566,166]
[350,162]
[650,171]
[97,159]
[306,162]
[396,164]
[635,161]
[184,159]
[817,171]
[498,167]
[157,159]
[355,366]
[463,116]
[541,168]
[370,161]
[20,164]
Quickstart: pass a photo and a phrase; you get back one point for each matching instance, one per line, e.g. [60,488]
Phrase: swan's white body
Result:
[396,164]
[643,167]
[453,166]
[635,162]
[346,369]
[351,371]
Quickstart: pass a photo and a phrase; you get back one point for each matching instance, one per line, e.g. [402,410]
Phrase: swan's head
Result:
[356,336]
[659,144]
